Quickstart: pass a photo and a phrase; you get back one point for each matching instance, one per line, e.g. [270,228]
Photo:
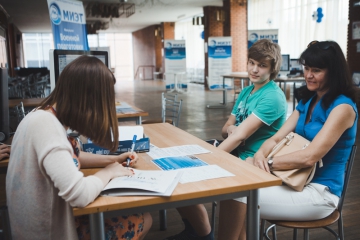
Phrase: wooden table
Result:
[27,102]
[243,76]
[35,102]
[136,115]
[247,181]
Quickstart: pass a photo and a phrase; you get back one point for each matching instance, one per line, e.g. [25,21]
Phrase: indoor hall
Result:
[206,123]
[145,47]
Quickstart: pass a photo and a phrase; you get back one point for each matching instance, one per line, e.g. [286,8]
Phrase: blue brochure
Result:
[172,163]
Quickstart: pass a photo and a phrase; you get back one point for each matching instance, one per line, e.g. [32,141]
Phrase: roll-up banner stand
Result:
[219,60]
[68,24]
[254,35]
[175,60]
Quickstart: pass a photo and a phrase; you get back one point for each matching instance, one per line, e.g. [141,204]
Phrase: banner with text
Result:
[219,60]
[68,24]
[175,60]
[254,35]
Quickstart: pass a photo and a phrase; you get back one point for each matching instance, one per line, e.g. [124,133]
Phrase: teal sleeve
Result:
[243,93]
[271,107]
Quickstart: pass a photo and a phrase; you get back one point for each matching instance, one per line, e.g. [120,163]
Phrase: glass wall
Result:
[120,48]
[296,21]
[36,49]
[194,42]
[3,56]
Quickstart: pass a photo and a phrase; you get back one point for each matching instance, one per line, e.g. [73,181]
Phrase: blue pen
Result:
[132,150]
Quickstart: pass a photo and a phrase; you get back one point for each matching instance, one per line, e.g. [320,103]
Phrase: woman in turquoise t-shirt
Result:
[327,116]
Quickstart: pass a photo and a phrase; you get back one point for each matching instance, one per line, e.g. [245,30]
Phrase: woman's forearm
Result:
[89,160]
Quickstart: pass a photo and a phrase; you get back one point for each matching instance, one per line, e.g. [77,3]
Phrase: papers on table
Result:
[183,150]
[128,132]
[124,107]
[203,173]
[173,163]
[193,168]
[153,183]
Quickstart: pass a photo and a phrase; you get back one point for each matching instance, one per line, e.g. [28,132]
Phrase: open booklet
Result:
[144,182]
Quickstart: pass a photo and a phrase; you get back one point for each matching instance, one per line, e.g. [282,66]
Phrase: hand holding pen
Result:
[132,151]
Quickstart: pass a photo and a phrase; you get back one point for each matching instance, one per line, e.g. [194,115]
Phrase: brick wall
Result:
[158,48]
[144,51]
[234,25]
[238,32]
[168,29]
[212,28]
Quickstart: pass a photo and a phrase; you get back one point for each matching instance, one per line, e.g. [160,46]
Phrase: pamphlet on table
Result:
[144,182]
[193,168]
[182,150]
[178,162]
[123,107]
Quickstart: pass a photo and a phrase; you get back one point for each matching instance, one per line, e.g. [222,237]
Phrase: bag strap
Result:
[281,144]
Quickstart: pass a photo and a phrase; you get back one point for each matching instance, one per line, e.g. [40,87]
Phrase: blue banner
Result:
[68,24]
[254,35]
[219,61]
[219,49]
[175,50]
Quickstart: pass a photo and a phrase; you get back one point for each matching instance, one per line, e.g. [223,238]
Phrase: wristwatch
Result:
[270,162]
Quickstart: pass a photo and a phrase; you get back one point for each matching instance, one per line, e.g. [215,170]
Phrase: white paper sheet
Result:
[196,174]
[183,150]
[128,132]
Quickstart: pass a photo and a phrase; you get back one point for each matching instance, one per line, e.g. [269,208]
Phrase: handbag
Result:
[294,178]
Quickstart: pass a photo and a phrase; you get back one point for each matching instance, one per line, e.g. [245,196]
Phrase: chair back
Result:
[19,111]
[347,176]
[171,108]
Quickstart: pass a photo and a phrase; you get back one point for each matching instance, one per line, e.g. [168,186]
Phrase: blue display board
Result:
[68,24]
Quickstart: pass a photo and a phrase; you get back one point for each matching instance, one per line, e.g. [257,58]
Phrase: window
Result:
[36,49]
[120,52]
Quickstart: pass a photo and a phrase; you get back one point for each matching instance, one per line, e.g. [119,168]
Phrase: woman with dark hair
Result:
[43,180]
[327,116]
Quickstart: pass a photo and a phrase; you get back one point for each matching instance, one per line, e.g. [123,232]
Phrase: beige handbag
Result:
[294,178]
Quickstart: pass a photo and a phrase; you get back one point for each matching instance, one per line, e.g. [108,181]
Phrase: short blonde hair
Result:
[265,49]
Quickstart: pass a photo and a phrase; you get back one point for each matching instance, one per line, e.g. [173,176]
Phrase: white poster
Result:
[254,35]
[175,61]
[219,60]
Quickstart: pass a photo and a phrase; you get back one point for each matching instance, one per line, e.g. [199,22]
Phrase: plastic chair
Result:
[19,111]
[16,114]
[170,113]
[170,110]
[334,217]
